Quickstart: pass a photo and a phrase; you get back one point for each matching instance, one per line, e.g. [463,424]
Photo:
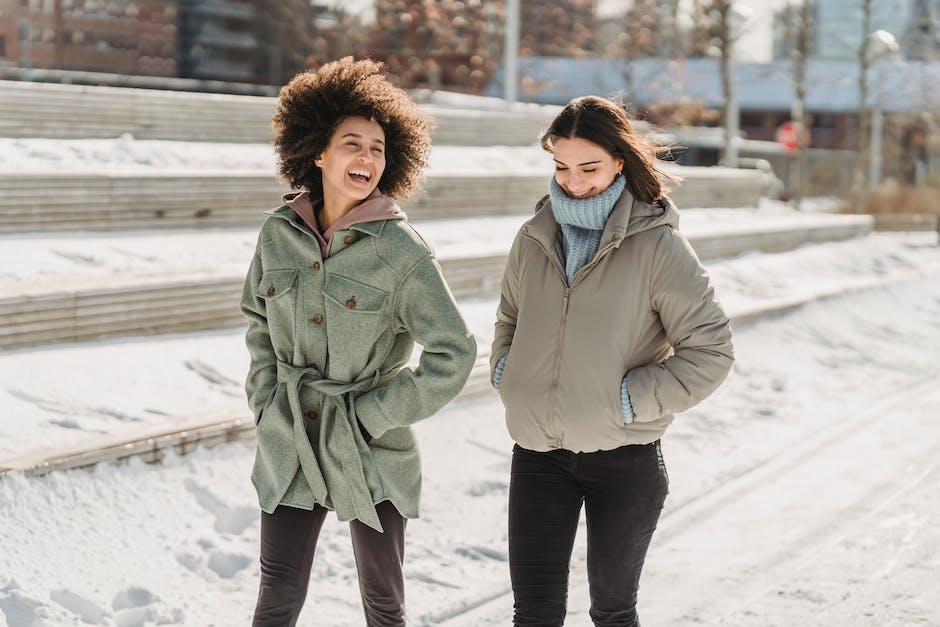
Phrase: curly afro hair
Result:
[312,105]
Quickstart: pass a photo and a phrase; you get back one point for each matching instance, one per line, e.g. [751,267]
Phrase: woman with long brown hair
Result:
[607,325]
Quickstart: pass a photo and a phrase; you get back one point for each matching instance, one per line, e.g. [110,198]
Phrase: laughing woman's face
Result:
[354,161]
[582,168]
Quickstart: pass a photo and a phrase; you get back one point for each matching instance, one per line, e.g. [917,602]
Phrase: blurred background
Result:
[838,97]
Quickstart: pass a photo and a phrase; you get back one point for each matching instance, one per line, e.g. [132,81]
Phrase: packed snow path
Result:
[801,492]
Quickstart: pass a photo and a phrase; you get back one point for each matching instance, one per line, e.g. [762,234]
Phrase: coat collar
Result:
[284,212]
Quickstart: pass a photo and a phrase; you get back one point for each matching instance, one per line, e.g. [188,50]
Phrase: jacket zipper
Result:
[564,322]
[554,262]
[557,368]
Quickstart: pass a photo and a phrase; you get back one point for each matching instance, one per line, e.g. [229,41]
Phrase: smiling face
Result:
[582,168]
[353,162]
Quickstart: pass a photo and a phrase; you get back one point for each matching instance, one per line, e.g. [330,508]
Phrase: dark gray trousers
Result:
[288,542]
[622,492]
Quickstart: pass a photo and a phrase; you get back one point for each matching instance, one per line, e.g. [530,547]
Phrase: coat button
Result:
[348,240]
[311,415]
[315,266]
[351,303]
[316,319]
[271,291]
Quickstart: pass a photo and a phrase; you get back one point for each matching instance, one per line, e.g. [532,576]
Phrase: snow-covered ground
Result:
[177,543]
[59,396]
[126,154]
[803,491]
[40,262]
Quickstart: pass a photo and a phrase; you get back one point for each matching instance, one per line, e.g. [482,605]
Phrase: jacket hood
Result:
[375,207]
[644,216]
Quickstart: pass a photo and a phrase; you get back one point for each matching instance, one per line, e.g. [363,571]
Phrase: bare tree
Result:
[721,10]
[864,118]
[338,32]
[671,39]
[713,34]
[701,37]
[284,34]
[801,25]
[639,37]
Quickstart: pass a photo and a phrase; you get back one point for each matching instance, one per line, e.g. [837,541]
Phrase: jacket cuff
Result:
[370,415]
[625,405]
[498,371]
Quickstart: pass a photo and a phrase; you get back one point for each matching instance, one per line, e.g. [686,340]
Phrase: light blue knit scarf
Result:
[582,222]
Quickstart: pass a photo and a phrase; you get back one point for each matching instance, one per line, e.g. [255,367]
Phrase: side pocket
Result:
[267,403]
[501,386]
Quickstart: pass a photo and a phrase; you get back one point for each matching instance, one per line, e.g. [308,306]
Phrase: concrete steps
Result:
[171,200]
[907,222]
[94,308]
[153,445]
[73,112]
[70,310]
[50,201]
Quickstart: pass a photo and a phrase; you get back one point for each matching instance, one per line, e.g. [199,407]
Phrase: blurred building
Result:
[251,41]
[922,39]
[838,28]
[765,90]
[839,25]
[121,36]
[217,40]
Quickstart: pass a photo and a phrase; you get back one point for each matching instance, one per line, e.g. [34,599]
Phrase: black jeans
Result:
[623,492]
[288,541]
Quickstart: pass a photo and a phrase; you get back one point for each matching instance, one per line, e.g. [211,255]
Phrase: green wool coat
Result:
[329,340]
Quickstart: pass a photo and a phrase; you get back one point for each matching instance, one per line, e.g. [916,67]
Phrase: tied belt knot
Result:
[358,502]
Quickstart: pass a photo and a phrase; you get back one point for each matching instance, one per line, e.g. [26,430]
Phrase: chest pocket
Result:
[276,283]
[356,317]
[353,296]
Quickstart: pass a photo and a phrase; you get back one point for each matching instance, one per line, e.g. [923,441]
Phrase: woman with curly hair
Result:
[339,290]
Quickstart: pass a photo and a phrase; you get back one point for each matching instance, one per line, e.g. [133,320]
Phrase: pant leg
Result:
[544,506]
[379,560]
[288,541]
[626,489]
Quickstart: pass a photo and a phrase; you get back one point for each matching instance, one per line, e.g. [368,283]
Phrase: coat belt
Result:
[294,378]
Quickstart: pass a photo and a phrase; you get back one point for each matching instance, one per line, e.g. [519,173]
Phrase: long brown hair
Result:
[606,123]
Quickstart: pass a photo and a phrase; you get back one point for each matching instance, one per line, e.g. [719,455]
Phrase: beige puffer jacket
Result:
[643,305]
